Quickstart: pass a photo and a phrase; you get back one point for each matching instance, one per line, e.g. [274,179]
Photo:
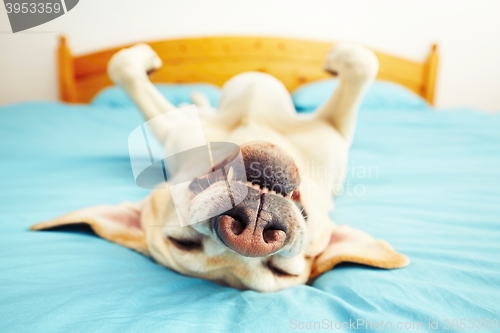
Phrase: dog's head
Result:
[270,240]
[257,243]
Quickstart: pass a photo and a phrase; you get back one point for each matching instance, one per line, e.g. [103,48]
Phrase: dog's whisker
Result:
[162,225]
[230,174]
[199,184]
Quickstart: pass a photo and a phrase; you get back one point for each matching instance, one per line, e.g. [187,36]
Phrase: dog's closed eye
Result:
[186,244]
[278,271]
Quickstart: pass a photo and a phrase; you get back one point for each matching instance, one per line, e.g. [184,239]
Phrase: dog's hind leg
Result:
[356,67]
[129,68]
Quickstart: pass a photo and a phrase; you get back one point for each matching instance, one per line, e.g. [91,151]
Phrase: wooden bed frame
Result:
[216,59]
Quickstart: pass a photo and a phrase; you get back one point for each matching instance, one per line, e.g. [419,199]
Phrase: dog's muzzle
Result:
[264,221]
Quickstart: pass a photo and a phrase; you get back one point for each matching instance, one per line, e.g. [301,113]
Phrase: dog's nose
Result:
[248,239]
[259,226]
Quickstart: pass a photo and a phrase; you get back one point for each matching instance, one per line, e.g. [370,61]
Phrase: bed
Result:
[426,181]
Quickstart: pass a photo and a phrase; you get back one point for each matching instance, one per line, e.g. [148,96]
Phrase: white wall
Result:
[468,33]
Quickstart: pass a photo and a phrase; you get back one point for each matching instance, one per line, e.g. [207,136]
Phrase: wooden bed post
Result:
[430,75]
[66,74]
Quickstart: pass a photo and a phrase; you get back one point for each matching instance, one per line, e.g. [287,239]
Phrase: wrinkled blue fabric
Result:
[433,193]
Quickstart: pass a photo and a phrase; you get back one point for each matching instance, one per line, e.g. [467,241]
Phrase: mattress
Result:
[428,182]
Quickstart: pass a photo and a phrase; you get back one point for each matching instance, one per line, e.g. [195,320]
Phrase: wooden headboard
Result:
[216,59]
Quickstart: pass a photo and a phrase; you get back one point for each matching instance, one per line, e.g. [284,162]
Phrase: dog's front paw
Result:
[351,61]
[132,62]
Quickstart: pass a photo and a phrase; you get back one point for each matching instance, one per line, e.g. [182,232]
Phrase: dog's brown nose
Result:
[251,241]
[259,226]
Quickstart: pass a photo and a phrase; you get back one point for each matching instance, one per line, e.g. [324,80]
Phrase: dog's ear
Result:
[119,223]
[351,245]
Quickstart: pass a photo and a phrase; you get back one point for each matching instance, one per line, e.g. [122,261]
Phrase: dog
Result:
[280,233]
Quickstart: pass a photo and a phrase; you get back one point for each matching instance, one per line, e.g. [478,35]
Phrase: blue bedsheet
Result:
[431,187]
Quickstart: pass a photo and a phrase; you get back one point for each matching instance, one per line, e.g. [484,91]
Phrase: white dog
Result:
[280,234]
